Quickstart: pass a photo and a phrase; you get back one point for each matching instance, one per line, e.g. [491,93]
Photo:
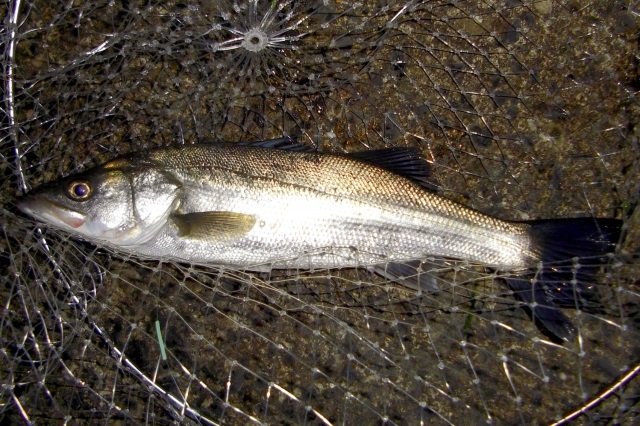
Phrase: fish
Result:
[277,205]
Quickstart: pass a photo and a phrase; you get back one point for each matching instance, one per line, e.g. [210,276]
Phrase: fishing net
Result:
[525,109]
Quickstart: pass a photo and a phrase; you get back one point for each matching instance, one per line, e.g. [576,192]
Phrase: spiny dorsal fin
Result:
[213,226]
[286,143]
[407,162]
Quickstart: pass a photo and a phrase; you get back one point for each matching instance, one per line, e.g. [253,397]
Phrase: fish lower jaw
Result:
[53,213]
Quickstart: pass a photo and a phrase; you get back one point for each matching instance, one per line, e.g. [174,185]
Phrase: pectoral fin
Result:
[213,226]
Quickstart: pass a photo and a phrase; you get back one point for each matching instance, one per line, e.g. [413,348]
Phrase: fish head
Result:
[118,203]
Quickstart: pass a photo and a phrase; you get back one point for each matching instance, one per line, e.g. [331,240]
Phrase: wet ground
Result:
[524,109]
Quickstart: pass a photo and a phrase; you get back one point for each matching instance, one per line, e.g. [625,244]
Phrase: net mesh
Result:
[525,109]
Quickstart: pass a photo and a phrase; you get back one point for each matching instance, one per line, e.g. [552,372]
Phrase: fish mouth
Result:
[52,212]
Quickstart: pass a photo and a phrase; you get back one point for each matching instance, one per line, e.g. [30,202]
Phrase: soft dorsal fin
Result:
[407,162]
[214,225]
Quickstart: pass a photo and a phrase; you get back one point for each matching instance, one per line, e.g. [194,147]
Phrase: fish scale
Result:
[335,203]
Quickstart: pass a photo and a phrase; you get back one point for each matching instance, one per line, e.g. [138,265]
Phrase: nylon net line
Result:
[525,109]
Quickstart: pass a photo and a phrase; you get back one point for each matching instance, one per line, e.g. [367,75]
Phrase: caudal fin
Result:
[572,251]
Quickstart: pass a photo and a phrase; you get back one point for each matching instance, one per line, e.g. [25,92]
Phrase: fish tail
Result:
[562,239]
[571,253]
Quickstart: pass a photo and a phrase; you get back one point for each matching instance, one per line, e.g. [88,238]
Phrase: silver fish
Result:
[248,206]
[257,208]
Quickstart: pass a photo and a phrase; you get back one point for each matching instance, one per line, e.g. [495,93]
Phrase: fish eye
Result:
[79,190]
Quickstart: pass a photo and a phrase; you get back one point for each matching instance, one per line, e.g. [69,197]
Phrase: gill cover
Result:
[155,197]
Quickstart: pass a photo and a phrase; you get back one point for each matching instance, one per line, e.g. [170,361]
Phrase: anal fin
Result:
[412,274]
